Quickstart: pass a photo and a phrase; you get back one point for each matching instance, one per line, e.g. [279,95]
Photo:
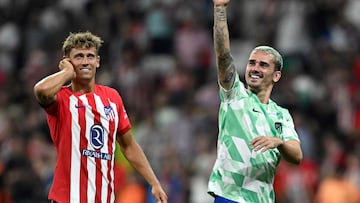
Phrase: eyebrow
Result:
[82,54]
[262,63]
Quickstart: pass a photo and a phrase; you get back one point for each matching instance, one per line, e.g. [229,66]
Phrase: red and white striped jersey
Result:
[83,128]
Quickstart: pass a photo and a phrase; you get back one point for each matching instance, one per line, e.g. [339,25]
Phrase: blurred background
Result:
[159,55]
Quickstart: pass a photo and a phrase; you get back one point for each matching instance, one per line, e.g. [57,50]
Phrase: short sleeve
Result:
[238,90]
[289,132]
[124,121]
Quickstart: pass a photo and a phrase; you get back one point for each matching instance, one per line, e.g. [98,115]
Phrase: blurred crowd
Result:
[159,55]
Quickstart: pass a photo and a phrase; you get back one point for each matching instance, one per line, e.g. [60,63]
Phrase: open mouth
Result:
[85,69]
[254,76]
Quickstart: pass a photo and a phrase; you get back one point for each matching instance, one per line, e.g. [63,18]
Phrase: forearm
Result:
[136,157]
[226,69]
[45,90]
[291,151]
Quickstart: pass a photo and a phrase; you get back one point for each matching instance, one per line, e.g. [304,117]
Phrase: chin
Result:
[253,88]
[252,85]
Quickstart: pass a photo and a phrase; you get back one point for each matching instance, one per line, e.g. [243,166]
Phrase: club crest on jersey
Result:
[278,127]
[97,136]
[109,112]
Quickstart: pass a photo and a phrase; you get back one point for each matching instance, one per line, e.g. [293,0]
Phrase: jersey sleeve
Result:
[124,121]
[52,113]
[237,90]
[52,109]
[289,132]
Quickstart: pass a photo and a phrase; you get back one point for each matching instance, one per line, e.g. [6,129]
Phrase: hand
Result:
[264,143]
[220,2]
[66,65]
[159,194]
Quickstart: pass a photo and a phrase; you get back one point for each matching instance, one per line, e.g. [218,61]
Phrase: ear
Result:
[98,62]
[276,76]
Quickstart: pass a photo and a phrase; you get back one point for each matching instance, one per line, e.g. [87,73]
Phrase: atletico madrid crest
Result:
[278,127]
[109,112]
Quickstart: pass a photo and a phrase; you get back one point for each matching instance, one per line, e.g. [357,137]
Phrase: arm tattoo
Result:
[226,68]
[226,71]
[224,60]
[220,14]
[44,100]
[220,39]
[229,74]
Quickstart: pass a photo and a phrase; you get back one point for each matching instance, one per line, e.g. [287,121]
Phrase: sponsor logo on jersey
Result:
[97,142]
[97,155]
[97,136]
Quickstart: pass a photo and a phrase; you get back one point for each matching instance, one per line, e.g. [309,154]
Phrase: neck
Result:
[82,87]
[264,95]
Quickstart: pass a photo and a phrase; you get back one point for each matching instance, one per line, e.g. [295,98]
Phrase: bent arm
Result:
[224,60]
[45,90]
[291,151]
[136,157]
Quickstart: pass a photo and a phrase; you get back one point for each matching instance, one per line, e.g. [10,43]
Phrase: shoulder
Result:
[106,89]
[108,92]
[277,106]
[236,91]
[63,92]
[65,89]
[280,110]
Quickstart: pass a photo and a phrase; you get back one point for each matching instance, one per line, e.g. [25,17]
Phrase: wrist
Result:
[220,13]
[220,5]
[155,183]
[281,143]
[70,73]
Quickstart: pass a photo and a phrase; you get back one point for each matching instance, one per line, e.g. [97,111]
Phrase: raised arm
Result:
[224,61]
[45,90]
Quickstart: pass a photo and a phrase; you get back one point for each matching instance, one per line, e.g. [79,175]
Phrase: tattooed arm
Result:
[225,65]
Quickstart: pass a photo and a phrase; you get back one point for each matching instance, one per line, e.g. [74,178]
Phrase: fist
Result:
[67,66]
[220,2]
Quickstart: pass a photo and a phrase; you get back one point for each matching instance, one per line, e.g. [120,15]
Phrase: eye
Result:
[264,64]
[79,56]
[251,62]
[90,56]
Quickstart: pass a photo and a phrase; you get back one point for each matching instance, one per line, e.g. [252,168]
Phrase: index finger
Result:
[256,139]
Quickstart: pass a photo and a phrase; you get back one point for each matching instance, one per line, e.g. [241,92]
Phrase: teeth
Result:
[254,76]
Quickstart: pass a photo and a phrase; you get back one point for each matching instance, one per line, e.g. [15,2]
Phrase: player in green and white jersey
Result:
[254,132]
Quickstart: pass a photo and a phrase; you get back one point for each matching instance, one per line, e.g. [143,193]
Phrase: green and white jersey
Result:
[241,174]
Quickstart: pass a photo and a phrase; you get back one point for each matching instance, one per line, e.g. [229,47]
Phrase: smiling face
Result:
[260,74]
[85,62]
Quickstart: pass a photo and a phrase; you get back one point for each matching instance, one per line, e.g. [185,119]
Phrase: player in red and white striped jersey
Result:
[85,121]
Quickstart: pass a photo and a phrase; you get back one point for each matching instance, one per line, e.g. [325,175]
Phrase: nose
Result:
[85,60]
[255,67]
